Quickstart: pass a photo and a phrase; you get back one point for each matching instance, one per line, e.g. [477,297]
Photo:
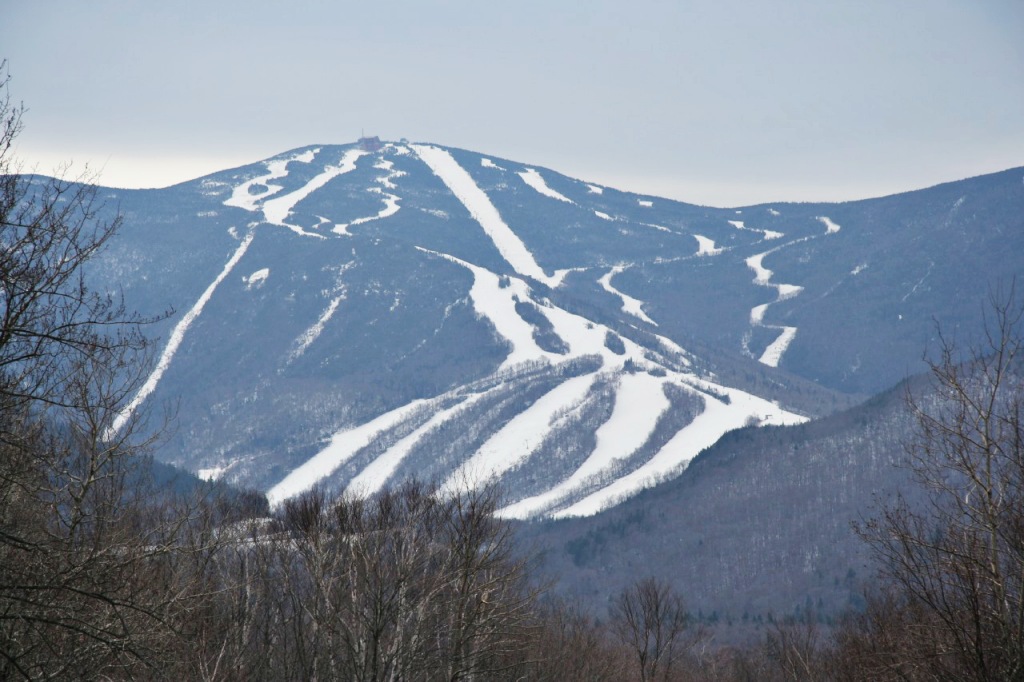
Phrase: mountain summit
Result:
[349,317]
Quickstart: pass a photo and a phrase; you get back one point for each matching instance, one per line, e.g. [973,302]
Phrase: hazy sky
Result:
[716,102]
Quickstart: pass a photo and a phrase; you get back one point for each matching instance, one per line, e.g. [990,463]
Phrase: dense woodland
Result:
[109,570]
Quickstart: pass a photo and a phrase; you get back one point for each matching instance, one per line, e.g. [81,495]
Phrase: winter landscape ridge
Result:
[350,318]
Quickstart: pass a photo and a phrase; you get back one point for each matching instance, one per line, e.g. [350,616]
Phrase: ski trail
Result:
[703,432]
[768,234]
[390,200]
[630,305]
[310,335]
[517,440]
[772,355]
[371,479]
[462,185]
[175,340]
[535,180]
[343,445]
[762,277]
[830,227]
[496,304]
[276,211]
[639,403]
[240,194]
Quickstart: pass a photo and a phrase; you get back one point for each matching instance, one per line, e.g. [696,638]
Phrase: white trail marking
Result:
[177,335]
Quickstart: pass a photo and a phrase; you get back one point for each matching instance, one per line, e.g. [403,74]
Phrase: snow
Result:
[534,179]
[859,269]
[705,246]
[371,479]
[257,278]
[275,211]
[487,163]
[639,403]
[774,212]
[520,437]
[512,249]
[704,431]
[177,335]
[603,216]
[594,189]
[768,234]
[773,353]
[310,335]
[630,305]
[343,445]
[830,227]
[761,273]
[390,208]
[278,168]
[644,203]
[496,304]
[212,473]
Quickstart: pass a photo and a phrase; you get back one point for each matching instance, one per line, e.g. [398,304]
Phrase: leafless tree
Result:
[88,585]
[956,562]
[650,618]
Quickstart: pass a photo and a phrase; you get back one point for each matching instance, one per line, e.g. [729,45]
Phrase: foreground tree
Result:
[87,583]
[954,566]
[650,619]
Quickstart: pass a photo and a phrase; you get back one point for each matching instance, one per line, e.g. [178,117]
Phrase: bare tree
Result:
[650,619]
[88,583]
[956,562]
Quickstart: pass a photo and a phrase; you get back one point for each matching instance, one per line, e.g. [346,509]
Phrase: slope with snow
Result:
[575,343]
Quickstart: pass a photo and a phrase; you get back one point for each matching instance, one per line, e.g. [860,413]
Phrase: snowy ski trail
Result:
[534,179]
[631,306]
[639,403]
[519,438]
[376,474]
[240,194]
[465,189]
[703,432]
[342,447]
[276,211]
[177,335]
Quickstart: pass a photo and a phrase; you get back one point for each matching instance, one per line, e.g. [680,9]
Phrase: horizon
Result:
[725,103]
[188,171]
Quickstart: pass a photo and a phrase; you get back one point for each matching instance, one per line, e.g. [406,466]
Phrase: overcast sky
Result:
[717,102]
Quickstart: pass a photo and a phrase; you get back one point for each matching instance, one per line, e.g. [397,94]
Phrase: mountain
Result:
[348,316]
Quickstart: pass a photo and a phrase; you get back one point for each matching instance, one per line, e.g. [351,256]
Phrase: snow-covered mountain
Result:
[349,316]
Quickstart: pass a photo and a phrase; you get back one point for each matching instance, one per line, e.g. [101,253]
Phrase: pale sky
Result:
[716,102]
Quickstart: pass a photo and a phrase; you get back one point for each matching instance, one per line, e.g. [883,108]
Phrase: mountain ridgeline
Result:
[353,316]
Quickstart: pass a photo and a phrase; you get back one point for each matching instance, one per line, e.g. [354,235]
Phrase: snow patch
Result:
[706,247]
[487,163]
[830,227]
[594,189]
[534,179]
[257,278]
[646,204]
